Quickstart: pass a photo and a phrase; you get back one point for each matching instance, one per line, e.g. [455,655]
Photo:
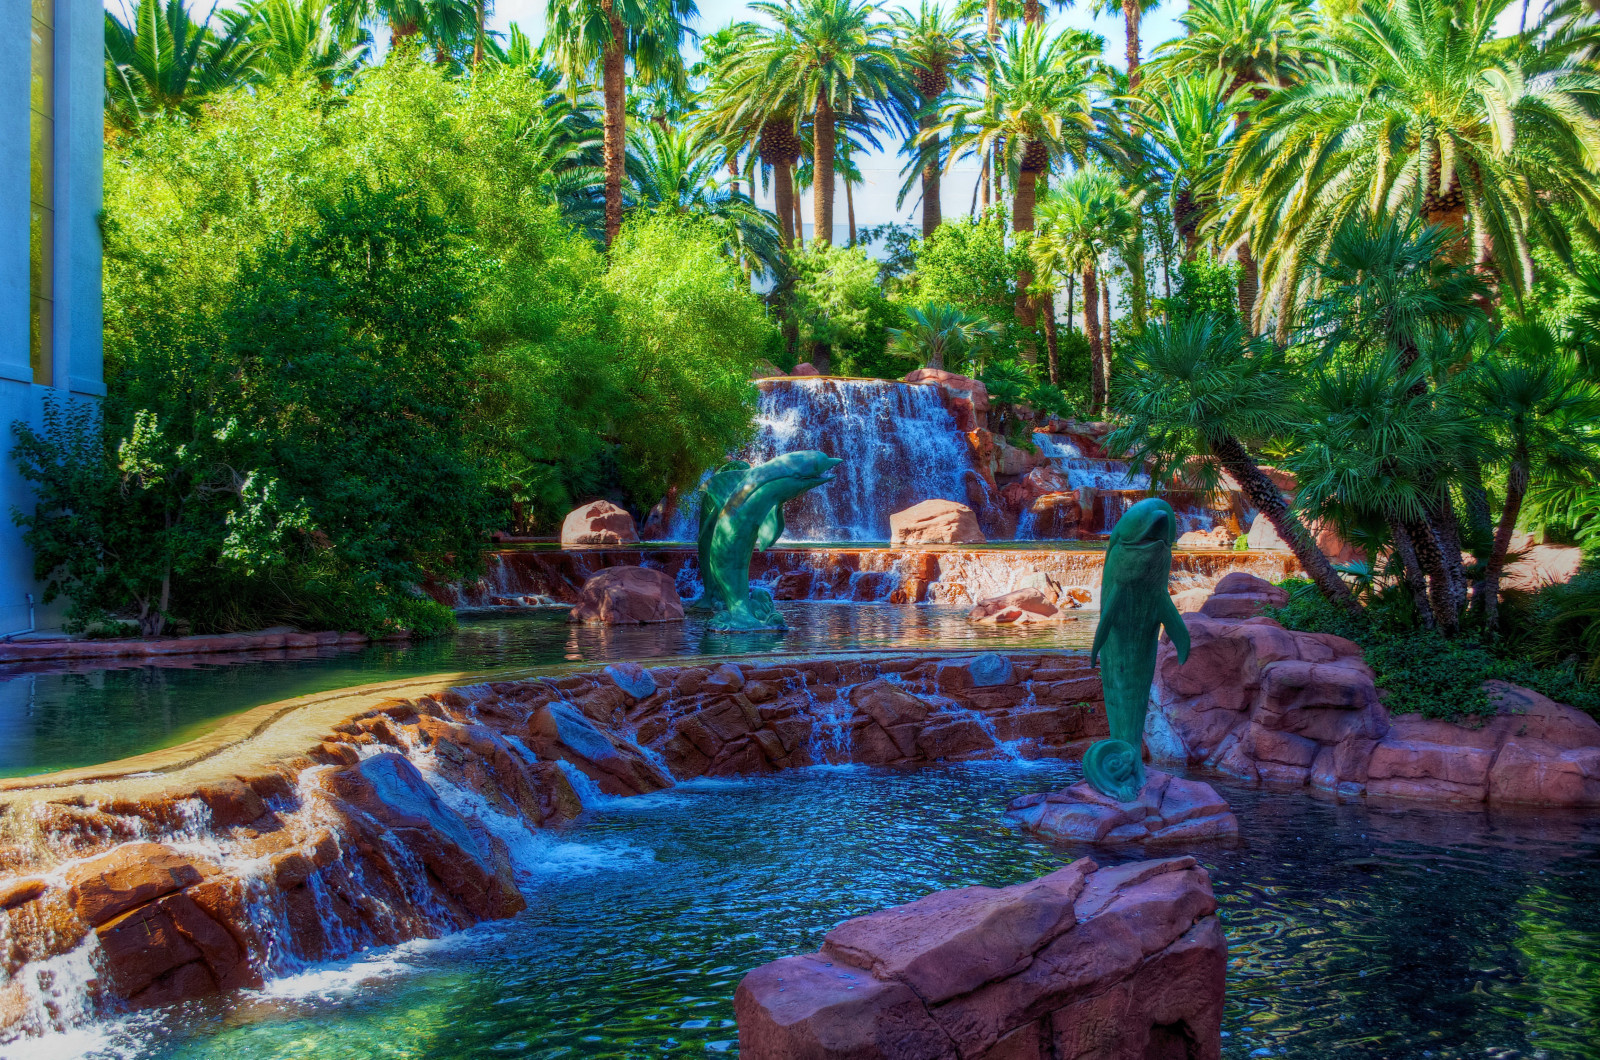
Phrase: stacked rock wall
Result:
[412,818]
[952,575]
[1290,709]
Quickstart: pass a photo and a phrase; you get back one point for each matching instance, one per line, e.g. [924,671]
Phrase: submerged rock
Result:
[628,595]
[1168,810]
[1124,962]
[1020,607]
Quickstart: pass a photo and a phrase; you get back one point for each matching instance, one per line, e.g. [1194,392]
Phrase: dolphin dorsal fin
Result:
[771,529]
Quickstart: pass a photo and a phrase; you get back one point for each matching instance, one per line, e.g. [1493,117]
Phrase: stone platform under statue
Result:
[1168,809]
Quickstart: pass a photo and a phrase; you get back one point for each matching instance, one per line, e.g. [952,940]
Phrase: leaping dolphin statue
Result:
[741,509]
[1134,607]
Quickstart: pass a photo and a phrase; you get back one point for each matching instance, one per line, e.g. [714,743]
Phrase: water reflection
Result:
[59,715]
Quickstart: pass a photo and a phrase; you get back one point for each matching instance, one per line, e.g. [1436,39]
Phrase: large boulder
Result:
[1277,707]
[805,369]
[935,522]
[1088,963]
[627,595]
[1169,809]
[598,523]
[1540,565]
[1242,595]
[1263,535]
[959,387]
[1216,537]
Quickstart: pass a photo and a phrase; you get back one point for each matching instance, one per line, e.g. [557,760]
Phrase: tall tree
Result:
[940,47]
[300,38]
[1259,46]
[610,32]
[1184,132]
[1133,12]
[1419,102]
[838,60]
[1036,112]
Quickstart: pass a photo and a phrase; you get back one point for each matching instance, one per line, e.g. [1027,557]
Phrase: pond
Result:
[1353,930]
[61,715]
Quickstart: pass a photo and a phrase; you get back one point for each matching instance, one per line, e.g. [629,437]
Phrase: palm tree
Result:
[677,171]
[941,336]
[1418,103]
[1542,413]
[300,38]
[833,58]
[940,47]
[1087,216]
[164,62]
[1133,12]
[739,106]
[1259,46]
[1036,114]
[609,32]
[445,25]
[1183,134]
[1196,388]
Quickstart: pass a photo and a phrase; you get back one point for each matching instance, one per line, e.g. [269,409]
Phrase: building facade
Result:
[51,137]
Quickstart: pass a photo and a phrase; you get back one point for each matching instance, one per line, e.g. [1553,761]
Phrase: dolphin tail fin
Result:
[1173,621]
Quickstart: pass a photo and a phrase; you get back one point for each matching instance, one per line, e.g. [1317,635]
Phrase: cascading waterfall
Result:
[1116,486]
[899,444]
[1082,472]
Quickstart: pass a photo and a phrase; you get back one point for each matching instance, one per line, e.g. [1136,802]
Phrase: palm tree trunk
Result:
[1091,328]
[1411,569]
[1516,489]
[1447,531]
[850,209]
[1051,346]
[1105,340]
[931,216]
[1263,494]
[1249,285]
[1431,559]
[1130,18]
[981,192]
[1022,221]
[783,201]
[799,217]
[1138,286]
[615,87]
[1072,282]
[479,7]
[822,136]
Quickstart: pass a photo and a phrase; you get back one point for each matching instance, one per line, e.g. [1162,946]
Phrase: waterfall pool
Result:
[1353,930]
[58,715]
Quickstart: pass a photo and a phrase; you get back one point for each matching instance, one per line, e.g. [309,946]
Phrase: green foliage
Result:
[941,336]
[967,264]
[1206,287]
[1423,672]
[839,302]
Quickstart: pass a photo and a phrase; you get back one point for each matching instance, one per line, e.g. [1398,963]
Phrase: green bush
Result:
[840,305]
[1421,671]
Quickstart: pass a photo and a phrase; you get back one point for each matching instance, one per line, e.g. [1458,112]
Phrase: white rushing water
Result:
[899,444]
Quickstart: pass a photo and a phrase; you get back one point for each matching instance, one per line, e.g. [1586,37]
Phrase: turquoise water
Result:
[56,716]
[1353,931]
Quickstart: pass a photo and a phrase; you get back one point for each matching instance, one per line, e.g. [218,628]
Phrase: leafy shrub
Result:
[840,305]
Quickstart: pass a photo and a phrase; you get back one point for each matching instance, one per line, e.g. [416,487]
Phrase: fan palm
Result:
[940,47]
[164,62]
[445,25]
[1197,388]
[1258,46]
[1418,103]
[610,32]
[1542,414]
[834,60]
[941,336]
[1035,114]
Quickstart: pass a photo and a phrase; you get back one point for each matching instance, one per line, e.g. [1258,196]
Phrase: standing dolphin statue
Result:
[1134,606]
[741,509]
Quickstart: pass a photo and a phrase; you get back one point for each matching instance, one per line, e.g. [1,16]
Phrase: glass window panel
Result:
[42,258]
[45,11]
[42,95]
[42,161]
[40,344]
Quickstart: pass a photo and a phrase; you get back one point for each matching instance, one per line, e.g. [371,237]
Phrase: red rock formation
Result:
[1263,535]
[598,523]
[1124,963]
[935,522]
[1020,607]
[413,824]
[1168,810]
[628,595]
[1241,595]
[1273,706]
